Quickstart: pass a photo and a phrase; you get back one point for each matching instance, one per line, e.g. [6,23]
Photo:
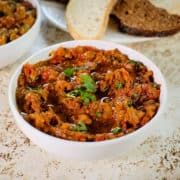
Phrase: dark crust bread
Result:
[124,27]
[134,31]
[62,1]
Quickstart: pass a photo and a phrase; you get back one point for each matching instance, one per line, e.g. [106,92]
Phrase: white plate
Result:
[55,12]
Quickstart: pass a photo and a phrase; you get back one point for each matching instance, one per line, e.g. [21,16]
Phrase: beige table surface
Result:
[158,157]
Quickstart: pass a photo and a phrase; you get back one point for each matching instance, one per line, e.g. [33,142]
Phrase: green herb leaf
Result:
[38,88]
[98,114]
[155,85]
[135,95]
[69,72]
[80,127]
[73,94]
[92,97]
[116,130]
[88,83]
[75,128]
[119,85]
[85,90]
[87,96]
[133,62]
[129,104]
[85,100]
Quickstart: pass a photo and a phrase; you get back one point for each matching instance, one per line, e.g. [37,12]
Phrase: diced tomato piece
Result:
[28,69]
[45,75]
[100,137]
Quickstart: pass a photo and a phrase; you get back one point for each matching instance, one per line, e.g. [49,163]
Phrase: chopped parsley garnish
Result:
[119,85]
[38,88]
[155,85]
[69,72]
[74,93]
[135,95]
[88,83]
[129,104]
[81,127]
[116,130]
[98,114]
[85,90]
[87,97]
[135,63]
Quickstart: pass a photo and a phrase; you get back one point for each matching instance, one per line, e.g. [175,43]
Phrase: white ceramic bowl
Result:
[87,150]
[13,50]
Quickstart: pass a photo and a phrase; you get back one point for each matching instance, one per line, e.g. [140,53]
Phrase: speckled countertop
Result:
[158,157]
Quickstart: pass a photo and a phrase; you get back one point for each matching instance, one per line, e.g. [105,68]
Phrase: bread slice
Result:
[88,19]
[140,17]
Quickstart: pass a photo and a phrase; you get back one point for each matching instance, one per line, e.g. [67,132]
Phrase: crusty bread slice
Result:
[88,19]
[140,17]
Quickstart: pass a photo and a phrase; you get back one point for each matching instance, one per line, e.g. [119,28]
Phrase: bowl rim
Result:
[77,143]
[38,20]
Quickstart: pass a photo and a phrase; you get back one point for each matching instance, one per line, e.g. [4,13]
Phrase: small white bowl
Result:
[87,150]
[13,50]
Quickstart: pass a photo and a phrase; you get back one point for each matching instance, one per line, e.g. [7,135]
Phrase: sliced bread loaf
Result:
[88,19]
[140,17]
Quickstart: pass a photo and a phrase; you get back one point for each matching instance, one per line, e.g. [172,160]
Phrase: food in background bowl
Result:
[16,18]
[87,150]
[87,94]
[16,48]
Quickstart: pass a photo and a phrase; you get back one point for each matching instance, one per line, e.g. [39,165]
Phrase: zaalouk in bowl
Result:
[19,27]
[87,94]
[16,18]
